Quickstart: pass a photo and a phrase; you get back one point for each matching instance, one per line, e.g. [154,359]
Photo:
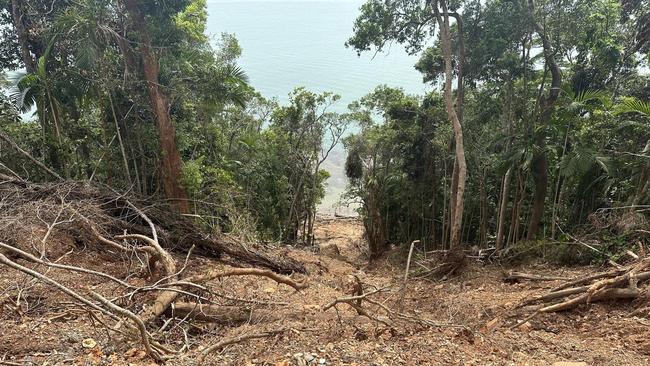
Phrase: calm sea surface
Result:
[301,43]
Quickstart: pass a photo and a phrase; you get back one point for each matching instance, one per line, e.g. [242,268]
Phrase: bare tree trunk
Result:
[433,216]
[558,187]
[119,140]
[644,182]
[445,216]
[171,157]
[484,214]
[505,191]
[505,188]
[540,173]
[540,163]
[460,95]
[457,218]
[454,194]
[21,33]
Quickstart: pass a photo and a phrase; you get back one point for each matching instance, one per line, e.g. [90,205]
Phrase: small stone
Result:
[322,361]
[570,363]
[88,343]
[527,327]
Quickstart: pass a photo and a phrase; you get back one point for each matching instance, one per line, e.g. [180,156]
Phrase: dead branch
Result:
[513,276]
[248,301]
[413,319]
[150,251]
[212,275]
[29,156]
[553,295]
[158,254]
[6,261]
[353,299]
[238,339]
[144,335]
[621,284]
[166,298]
[587,279]
[406,274]
[355,303]
[32,258]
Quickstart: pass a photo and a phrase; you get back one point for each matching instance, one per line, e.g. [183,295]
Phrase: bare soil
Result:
[42,326]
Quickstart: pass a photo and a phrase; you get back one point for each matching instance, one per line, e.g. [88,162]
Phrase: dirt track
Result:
[49,328]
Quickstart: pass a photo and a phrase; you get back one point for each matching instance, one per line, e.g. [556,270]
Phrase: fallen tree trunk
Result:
[213,313]
[617,284]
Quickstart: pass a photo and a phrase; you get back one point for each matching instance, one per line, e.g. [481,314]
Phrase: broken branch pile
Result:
[40,224]
[620,283]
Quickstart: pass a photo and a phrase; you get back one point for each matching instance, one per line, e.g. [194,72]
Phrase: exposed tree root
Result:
[452,262]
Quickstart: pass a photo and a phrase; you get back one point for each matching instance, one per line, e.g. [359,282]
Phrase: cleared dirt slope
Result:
[48,328]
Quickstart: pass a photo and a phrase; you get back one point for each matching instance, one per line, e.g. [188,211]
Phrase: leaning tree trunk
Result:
[445,36]
[171,157]
[546,104]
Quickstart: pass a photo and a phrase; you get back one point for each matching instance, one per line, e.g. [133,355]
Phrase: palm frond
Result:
[86,55]
[234,74]
[633,105]
[24,90]
[578,100]
[579,161]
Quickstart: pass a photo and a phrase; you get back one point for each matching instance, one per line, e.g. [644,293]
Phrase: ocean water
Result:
[291,43]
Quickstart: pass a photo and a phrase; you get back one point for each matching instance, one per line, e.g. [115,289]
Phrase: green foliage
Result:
[633,105]
[192,19]
[382,21]
[594,142]
[250,166]
[253,165]
[391,165]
